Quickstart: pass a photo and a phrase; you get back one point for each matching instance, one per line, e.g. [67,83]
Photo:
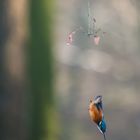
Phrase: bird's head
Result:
[98,99]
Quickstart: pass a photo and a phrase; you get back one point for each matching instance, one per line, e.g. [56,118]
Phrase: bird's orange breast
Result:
[95,114]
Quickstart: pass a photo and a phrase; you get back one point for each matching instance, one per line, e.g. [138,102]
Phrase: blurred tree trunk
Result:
[41,70]
[12,87]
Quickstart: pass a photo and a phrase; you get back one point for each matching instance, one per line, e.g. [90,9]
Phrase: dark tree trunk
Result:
[12,87]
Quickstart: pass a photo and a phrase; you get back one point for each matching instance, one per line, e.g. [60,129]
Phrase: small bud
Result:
[96,39]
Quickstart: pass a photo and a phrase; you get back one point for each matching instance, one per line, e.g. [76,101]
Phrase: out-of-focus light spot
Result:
[127,11]
[123,70]
[126,97]
[97,61]
[65,54]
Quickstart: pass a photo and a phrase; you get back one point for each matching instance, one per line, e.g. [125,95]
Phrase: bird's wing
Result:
[102,126]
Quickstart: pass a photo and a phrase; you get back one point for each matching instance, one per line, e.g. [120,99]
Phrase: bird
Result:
[96,114]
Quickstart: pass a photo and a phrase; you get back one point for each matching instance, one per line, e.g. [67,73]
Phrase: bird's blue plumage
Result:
[102,126]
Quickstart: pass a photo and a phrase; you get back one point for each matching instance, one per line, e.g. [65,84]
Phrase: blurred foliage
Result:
[41,70]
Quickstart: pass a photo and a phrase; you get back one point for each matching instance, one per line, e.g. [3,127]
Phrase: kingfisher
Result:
[97,115]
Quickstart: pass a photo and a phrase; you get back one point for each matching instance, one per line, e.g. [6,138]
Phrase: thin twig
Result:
[104,136]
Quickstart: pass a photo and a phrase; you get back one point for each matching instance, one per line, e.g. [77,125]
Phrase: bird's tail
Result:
[104,136]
